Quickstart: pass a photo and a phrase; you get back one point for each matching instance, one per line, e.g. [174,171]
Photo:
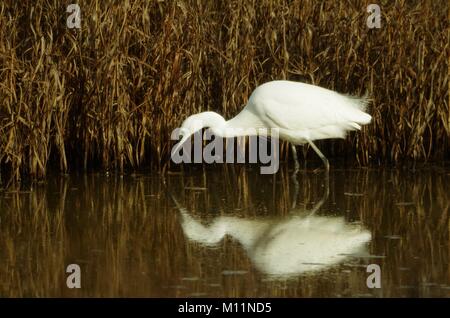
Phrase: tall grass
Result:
[109,94]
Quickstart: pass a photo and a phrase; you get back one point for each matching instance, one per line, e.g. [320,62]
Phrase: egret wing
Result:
[299,106]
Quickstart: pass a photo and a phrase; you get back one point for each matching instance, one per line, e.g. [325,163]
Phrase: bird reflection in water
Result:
[284,247]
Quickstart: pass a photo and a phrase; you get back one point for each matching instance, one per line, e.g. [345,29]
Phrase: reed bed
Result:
[108,95]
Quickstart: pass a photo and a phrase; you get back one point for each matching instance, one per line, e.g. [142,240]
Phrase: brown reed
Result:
[109,94]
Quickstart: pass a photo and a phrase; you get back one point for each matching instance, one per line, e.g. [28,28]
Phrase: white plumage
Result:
[302,112]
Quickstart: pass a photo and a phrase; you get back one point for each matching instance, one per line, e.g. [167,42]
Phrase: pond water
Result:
[228,231]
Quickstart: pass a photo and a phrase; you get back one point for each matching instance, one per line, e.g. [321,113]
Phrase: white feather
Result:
[302,111]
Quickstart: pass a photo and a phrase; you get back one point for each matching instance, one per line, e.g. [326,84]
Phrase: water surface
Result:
[229,232]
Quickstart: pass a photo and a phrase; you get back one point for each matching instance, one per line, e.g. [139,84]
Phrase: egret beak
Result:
[179,144]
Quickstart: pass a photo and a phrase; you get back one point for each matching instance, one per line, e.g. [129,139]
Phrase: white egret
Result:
[302,113]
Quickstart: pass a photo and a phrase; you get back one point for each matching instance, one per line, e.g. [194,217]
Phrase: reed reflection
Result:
[126,234]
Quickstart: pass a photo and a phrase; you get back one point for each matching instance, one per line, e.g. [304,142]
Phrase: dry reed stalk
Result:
[109,94]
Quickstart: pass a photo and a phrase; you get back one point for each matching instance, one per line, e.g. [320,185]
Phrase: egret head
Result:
[194,123]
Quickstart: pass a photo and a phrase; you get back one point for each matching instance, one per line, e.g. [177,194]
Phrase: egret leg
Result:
[294,154]
[320,154]
[305,151]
